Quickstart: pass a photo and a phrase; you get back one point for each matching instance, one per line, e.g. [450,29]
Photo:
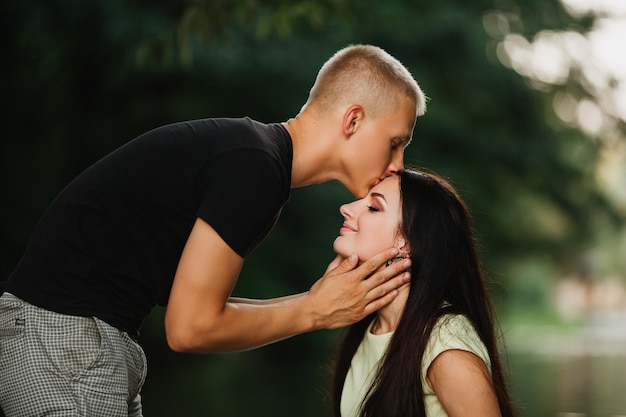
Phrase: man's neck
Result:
[313,159]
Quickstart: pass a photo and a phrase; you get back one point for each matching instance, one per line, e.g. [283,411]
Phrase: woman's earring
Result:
[403,255]
[395,258]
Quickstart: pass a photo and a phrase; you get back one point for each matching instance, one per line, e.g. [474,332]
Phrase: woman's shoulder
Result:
[455,331]
[453,323]
[452,332]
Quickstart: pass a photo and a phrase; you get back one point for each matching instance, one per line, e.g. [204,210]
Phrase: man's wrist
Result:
[313,319]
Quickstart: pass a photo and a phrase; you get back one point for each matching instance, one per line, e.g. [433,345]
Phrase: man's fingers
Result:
[379,303]
[384,285]
[345,265]
[395,269]
[388,287]
[384,294]
[375,262]
[334,264]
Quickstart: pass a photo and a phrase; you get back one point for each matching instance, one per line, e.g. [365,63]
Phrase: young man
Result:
[169,218]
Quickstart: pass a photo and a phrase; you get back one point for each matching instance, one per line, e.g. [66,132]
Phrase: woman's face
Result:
[371,224]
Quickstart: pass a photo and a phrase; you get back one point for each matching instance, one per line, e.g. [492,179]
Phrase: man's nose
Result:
[396,164]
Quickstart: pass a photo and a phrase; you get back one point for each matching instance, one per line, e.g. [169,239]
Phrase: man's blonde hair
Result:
[365,75]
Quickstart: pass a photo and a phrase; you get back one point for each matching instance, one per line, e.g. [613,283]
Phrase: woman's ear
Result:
[403,246]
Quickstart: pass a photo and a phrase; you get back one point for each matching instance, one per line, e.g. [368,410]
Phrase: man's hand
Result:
[345,295]
[201,316]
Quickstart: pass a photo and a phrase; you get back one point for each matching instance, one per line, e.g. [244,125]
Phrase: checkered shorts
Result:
[58,365]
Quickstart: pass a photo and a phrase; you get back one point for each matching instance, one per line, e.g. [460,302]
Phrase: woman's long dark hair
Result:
[446,277]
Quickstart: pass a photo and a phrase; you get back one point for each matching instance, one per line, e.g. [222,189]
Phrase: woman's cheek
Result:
[375,245]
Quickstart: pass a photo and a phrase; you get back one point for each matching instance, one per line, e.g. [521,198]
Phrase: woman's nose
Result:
[345,211]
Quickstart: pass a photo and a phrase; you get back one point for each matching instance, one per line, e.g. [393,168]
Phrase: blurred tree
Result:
[83,77]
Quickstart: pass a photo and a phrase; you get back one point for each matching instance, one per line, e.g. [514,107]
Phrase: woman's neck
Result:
[388,317]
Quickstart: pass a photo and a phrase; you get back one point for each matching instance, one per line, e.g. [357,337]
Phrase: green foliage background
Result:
[81,78]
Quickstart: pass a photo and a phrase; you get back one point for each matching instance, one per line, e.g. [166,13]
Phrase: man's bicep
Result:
[206,274]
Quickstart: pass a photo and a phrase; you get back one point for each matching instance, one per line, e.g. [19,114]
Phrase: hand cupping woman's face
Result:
[371,224]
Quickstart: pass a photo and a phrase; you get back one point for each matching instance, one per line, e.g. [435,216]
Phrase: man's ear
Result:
[352,119]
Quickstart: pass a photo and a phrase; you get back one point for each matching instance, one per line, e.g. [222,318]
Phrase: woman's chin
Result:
[339,250]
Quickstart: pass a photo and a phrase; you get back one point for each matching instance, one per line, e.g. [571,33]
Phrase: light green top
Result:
[450,332]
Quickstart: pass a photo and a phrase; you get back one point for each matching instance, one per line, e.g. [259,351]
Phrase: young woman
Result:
[433,351]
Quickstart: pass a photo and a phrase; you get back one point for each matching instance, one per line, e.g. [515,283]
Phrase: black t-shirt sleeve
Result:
[242,193]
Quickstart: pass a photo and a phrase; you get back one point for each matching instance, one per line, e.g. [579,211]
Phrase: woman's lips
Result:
[346,227]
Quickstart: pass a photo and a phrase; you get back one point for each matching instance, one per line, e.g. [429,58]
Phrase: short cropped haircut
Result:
[366,75]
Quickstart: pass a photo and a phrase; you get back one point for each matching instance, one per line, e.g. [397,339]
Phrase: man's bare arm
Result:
[201,316]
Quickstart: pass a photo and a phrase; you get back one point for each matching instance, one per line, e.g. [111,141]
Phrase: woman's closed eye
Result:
[373,208]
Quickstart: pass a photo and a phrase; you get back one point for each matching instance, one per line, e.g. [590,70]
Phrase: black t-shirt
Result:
[109,244]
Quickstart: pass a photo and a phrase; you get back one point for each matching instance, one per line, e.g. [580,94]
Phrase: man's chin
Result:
[361,192]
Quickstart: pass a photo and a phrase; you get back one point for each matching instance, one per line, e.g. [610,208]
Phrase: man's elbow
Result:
[179,342]
[191,338]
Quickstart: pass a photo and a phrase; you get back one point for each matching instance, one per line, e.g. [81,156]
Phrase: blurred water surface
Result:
[577,371]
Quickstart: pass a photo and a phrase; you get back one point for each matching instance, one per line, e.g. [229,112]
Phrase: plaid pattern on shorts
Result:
[58,365]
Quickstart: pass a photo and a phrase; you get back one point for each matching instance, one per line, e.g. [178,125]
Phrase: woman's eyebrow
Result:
[378,195]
